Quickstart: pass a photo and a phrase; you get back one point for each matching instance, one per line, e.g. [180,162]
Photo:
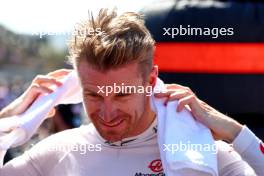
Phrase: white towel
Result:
[19,129]
[177,129]
[173,128]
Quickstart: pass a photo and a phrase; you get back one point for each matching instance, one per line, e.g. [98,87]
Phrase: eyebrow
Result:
[91,92]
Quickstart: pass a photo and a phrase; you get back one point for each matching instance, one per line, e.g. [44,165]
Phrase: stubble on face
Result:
[127,116]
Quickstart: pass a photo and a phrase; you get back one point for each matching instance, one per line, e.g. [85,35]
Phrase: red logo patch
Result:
[156,165]
[261,146]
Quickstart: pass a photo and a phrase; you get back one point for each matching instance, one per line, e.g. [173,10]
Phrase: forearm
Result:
[10,110]
[5,112]
[234,130]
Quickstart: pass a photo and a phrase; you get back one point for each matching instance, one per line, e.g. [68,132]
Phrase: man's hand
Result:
[40,85]
[222,127]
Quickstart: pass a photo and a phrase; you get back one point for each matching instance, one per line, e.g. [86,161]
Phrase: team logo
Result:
[156,165]
[261,146]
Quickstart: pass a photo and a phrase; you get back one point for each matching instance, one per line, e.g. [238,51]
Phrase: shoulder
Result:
[59,144]
[62,146]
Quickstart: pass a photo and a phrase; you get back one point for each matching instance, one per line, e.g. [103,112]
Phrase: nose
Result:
[107,110]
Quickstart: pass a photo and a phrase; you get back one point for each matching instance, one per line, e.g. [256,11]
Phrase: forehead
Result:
[127,74]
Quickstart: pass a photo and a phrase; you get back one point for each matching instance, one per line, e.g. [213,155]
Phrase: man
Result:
[120,139]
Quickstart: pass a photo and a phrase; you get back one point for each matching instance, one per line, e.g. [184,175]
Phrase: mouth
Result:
[113,124]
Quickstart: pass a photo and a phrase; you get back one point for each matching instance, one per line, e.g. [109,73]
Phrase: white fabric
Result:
[19,129]
[71,153]
[173,128]
[180,128]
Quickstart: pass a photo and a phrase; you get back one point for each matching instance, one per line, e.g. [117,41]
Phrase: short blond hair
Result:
[122,39]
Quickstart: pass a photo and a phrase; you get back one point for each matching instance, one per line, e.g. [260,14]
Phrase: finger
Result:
[161,95]
[37,89]
[33,92]
[188,108]
[59,73]
[189,100]
[174,86]
[177,96]
[167,93]
[46,81]
[178,87]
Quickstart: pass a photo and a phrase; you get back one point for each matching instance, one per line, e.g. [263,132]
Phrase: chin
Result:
[112,136]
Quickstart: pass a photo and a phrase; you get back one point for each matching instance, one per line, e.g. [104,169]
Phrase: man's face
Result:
[115,115]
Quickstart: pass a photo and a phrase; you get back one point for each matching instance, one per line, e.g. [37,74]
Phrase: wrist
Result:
[235,129]
[11,109]
[5,112]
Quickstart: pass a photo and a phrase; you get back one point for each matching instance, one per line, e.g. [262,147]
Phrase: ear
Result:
[153,76]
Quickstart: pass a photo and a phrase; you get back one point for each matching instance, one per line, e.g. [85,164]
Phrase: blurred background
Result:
[226,71]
